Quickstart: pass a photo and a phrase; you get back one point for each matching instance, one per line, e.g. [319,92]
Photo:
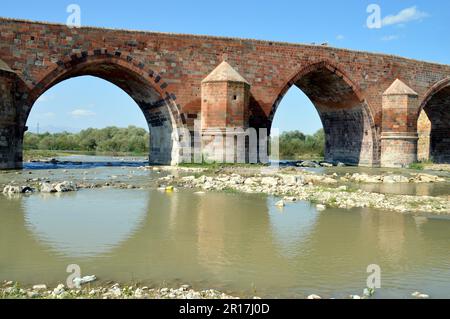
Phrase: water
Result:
[86,162]
[237,243]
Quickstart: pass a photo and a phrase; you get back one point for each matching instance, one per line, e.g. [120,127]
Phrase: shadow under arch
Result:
[142,84]
[433,124]
[347,119]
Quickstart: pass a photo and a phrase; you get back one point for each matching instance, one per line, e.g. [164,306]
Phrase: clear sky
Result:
[418,29]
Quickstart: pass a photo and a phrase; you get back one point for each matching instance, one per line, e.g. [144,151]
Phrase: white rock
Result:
[324,164]
[40,287]
[32,294]
[420,295]
[58,290]
[269,181]
[280,203]
[65,187]
[289,180]
[47,188]
[116,292]
[320,207]
[313,296]
[10,189]
[80,281]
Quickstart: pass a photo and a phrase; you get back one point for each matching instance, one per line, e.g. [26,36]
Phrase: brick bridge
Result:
[376,109]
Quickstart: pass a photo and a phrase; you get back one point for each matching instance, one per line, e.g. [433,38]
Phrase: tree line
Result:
[110,139]
[295,144]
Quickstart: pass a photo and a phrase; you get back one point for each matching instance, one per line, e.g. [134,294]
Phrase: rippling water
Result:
[232,242]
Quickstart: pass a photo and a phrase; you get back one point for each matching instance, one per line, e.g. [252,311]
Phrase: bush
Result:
[295,144]
[111,139]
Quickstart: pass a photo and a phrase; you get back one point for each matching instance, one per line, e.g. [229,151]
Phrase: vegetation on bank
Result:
[133,140]
[109,140]
[297,145]
[421,165]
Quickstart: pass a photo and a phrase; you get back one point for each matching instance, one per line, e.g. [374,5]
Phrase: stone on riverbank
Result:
[391,179]
[40,287]
[280,203]
[62,187]
[11,189]
[419,295]
[319,188]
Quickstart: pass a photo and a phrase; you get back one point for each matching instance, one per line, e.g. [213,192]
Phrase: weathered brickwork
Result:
[10,142]
[163,74]
[399,126]
[225,99]
[424,131]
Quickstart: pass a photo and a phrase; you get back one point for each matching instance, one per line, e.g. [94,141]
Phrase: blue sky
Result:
[417,29]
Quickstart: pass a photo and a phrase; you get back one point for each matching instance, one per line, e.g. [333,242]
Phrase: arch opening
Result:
[157,109]
[434,127]
[346,118]
[301,129]
[87,115]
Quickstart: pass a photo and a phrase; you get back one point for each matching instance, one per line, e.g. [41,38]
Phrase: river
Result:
[237,243]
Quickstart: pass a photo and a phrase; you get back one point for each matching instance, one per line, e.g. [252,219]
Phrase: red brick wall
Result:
[174,65]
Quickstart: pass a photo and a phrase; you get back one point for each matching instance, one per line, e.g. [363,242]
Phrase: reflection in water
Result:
[291,226]
[78,225]
[232,242]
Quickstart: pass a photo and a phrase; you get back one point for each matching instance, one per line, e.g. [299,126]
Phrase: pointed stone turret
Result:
[225,96]
[225,99]
[399,88]
[399,125]
[224,72]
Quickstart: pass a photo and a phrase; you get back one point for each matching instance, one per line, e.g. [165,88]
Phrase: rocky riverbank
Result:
[290,184]
[13,290]
[324,190]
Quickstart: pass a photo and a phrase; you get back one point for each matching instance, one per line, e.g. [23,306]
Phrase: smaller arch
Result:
[433,124]
[298,75]
[351,135]
[435,88]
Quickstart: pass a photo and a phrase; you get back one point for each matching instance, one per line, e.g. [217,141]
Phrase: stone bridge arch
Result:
[350,132]
[144,86]
[433,124]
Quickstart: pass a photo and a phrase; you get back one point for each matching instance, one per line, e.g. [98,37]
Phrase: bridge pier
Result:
[10,139]
[224,128]
[399,126]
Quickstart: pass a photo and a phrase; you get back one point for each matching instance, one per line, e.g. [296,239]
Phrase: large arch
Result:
[350,134]
[144,86]
[434,124]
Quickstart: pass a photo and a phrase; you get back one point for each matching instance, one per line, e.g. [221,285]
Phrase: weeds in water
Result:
[420,165]
[417,166]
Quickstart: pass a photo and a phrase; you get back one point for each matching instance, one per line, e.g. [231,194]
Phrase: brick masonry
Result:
[163,73]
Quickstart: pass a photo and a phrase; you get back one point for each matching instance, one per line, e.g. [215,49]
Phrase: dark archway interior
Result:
[434,128]
[345,119]
[151,103]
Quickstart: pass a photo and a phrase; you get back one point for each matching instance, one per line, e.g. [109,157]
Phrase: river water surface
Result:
[237,243]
